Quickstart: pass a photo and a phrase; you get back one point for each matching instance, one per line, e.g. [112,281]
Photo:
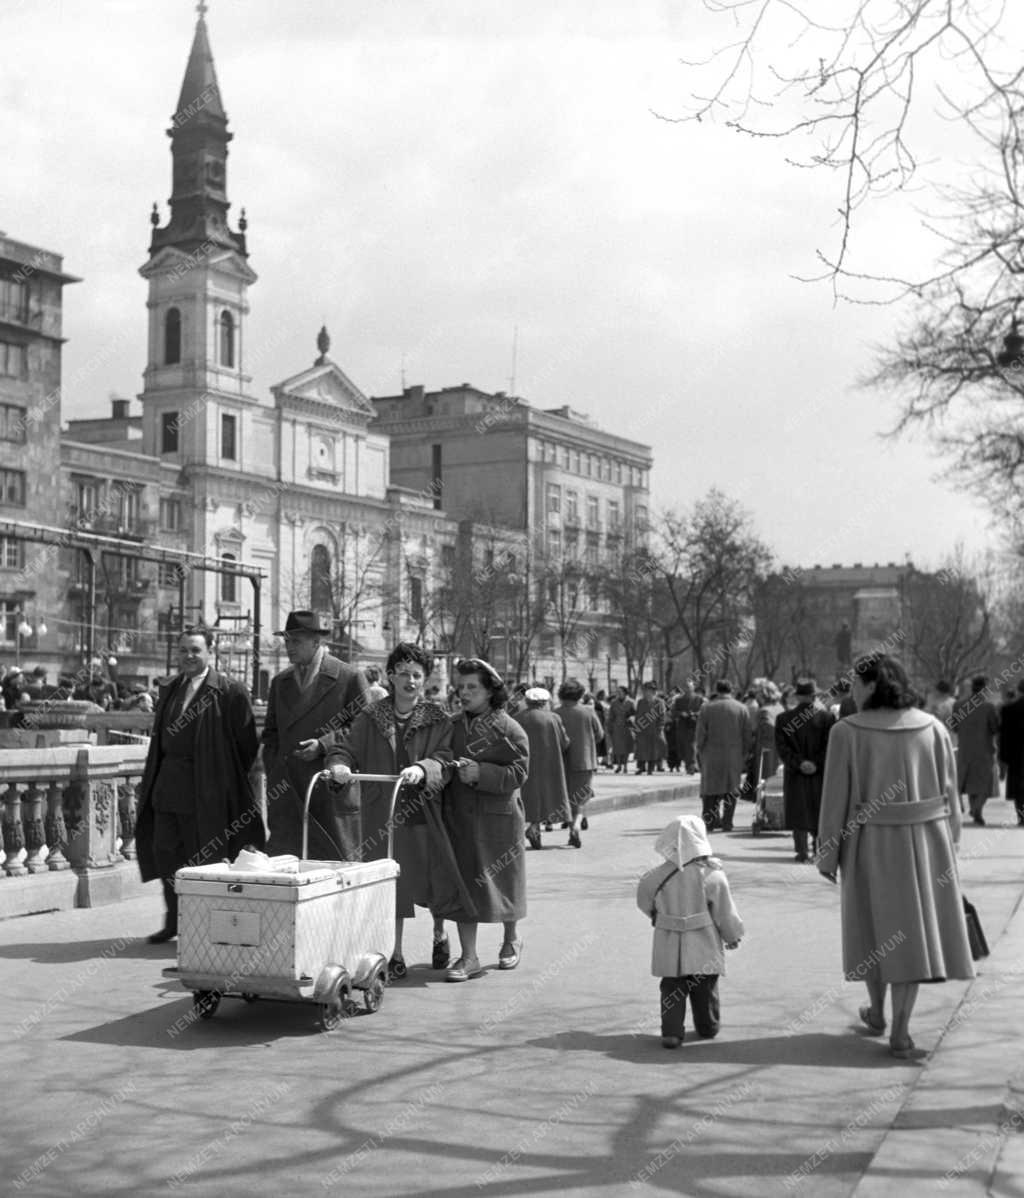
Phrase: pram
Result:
[305,931]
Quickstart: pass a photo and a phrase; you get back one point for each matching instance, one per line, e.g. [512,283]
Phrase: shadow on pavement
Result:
[68,952]
[813,1050]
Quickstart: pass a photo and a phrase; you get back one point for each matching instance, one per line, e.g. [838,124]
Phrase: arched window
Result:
[172,337]
[320,579]
[227,339]
[228,582]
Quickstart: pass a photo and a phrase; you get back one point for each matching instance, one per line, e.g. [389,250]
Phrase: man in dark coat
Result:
[1011,750]
[685,710]
[311,704]
[801,738]
[723,740]
[976,723]
[196,803]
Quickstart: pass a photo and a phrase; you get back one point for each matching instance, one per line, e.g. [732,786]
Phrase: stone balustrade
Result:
[67,833]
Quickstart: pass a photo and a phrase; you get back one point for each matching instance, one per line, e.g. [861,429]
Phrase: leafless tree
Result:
[947,621]
[854,77]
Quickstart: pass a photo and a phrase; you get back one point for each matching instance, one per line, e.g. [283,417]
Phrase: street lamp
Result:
[21,630]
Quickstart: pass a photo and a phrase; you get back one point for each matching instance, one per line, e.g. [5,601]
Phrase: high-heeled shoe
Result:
[584,826]
[868,1019]
[574,839]
[534,839]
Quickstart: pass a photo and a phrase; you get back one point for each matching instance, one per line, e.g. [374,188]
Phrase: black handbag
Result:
[975,933]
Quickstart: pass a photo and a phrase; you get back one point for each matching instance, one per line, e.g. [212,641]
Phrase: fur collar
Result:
[425,714]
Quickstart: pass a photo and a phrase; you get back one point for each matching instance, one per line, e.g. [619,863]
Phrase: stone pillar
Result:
[35,839]
[56,832]
[90,809]
[14,836]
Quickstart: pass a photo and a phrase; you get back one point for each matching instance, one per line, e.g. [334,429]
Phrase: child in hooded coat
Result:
[691,908]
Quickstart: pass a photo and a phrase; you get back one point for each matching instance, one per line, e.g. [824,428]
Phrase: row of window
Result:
[613,508]
[14,300]
[225,338]
[170,428]
[592,465]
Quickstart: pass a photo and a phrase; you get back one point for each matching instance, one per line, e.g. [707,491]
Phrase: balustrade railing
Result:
[68,807]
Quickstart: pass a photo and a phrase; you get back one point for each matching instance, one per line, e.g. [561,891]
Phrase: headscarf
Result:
[683,839]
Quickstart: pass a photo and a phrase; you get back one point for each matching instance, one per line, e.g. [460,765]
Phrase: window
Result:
[87,498]
[572,507]
[572,546]
[593,516]
[119,572]
[641,518]
[227,339]
[14,300]
[614,515]
[169,432]
[555,543]
[489,560]
[12,487]
[575,460]
[228,582]
[447,557]
[12,553]
[13,360]
[591,464]
[172,337]
[10,618]
[416,598]
[436,480]
[618,472]
[606,470]
[170,515]
[554,498]
[320,595]
[229,437]
[565,457]
[591,551]
[169,574]
[126,506]
[12,423]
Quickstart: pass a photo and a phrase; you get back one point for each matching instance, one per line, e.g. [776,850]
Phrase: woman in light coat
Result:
[890,824]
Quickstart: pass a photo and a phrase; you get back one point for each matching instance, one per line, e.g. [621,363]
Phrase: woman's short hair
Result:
[407,651]
[571,689]
[892,687]
[489,677]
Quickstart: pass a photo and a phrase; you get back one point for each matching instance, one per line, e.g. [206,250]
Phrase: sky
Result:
[439,181]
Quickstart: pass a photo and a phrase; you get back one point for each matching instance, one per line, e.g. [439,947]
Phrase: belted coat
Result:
[323,711]
[694,914]
[890,824]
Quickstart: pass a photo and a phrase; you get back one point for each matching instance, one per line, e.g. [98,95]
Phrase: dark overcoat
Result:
[723,737]
[977,726]
[486,820]
[323,711]
[545,797]
[801,734]
[1011,747]
[650,729]
[227,813]
[620,726]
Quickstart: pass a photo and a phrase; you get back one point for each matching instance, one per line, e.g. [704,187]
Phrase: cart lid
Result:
[306,873]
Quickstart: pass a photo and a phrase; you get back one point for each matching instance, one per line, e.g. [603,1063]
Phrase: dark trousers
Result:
[175,845]
[800,836]
[709,811]
[703,993]
[686,745]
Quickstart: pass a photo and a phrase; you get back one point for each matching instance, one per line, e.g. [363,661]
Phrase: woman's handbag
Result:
[975,934]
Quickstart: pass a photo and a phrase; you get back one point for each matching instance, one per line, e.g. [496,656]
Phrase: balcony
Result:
[109,524]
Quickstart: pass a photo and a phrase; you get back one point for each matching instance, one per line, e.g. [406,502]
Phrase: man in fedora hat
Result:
[311,704]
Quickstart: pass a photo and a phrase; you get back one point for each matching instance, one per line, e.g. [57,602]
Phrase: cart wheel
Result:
[373,995]
[206,1003]
[331,1014]
[250,997]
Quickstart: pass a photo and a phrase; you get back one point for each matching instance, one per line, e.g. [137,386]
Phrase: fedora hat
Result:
[302,621]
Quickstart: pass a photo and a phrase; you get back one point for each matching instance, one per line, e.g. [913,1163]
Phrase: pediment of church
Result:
[174,261]
[325,384]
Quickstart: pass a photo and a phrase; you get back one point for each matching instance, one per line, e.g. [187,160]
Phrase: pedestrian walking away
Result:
[723,737]
[584,731]
[890,824]
[976,723]
[692,911]
[545,795]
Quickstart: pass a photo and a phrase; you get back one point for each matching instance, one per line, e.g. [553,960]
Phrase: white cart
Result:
[319,935]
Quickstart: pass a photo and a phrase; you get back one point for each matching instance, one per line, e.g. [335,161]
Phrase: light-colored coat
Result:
[723,737]
[901,904]
[700,886]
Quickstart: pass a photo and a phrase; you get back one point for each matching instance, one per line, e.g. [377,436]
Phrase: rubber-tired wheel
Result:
[206,1003]
[340,1008]
[373,995]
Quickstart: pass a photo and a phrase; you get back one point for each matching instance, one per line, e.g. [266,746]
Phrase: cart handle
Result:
[327,776]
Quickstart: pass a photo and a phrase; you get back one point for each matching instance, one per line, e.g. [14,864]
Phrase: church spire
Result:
[199,150]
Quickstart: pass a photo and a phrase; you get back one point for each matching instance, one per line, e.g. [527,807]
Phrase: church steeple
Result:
[199,151]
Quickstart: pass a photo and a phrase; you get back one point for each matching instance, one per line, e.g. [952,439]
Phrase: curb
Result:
[683,789]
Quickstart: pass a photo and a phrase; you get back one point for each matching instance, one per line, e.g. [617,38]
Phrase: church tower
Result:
[195,400]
